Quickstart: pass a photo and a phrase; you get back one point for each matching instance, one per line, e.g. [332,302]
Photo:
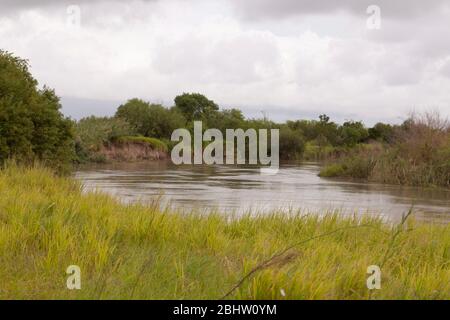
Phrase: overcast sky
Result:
[287,59]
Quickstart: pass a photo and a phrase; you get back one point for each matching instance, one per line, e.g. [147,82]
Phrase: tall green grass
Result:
[142,252]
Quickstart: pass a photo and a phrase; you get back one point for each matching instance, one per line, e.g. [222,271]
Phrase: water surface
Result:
[242,189]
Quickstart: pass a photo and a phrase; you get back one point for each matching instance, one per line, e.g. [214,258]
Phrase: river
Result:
[230,189]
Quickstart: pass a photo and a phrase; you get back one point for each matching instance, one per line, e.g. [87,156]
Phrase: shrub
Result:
[352,133]
[360,167]
[92,133]
[333,170]
[419,155]
[292,145]
[382,132]
[153,142]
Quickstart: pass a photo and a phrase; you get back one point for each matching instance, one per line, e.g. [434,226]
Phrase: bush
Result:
[382,132]
[292,145]
[333,170]
[316,152]
[359,167]
[352,133]
[93,133]
[418,155]
[153,142]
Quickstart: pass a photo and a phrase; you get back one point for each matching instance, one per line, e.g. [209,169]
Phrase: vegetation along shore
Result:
[415,152]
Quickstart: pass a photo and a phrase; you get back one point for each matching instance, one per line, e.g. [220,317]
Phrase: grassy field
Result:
[140,252]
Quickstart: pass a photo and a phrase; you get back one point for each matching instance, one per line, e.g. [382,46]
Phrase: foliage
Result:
[135,112]
[92,133]
[31,124]
[227,119]
[308,139]
[333,170]
[151,120]
[163,121]
[195,106]
[352,133]
[323,131]
[418,154]
[382,132]
[153,142]
[317,152]
[292,145]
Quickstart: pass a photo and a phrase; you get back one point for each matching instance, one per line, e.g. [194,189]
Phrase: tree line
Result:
[298,138]
[32,126]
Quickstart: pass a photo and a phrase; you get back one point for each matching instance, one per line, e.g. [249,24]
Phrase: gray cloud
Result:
[284,57]
[261,9]
[13,6]
[41,3]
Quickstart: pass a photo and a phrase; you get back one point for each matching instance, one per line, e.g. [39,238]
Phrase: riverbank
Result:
[392,166]
[126,149]
[141,252]
[418,155]
[132,148]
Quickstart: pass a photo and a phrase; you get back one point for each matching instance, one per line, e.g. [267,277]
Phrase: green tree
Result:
[292,144]
[323,118]
[353,132]
[31,124]
[382,131]
[227,119]
[196,106]
[161,121]
[151,120]
[136,113]
[326,129]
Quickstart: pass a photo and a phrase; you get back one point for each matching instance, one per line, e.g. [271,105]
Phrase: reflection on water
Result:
[240,189]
